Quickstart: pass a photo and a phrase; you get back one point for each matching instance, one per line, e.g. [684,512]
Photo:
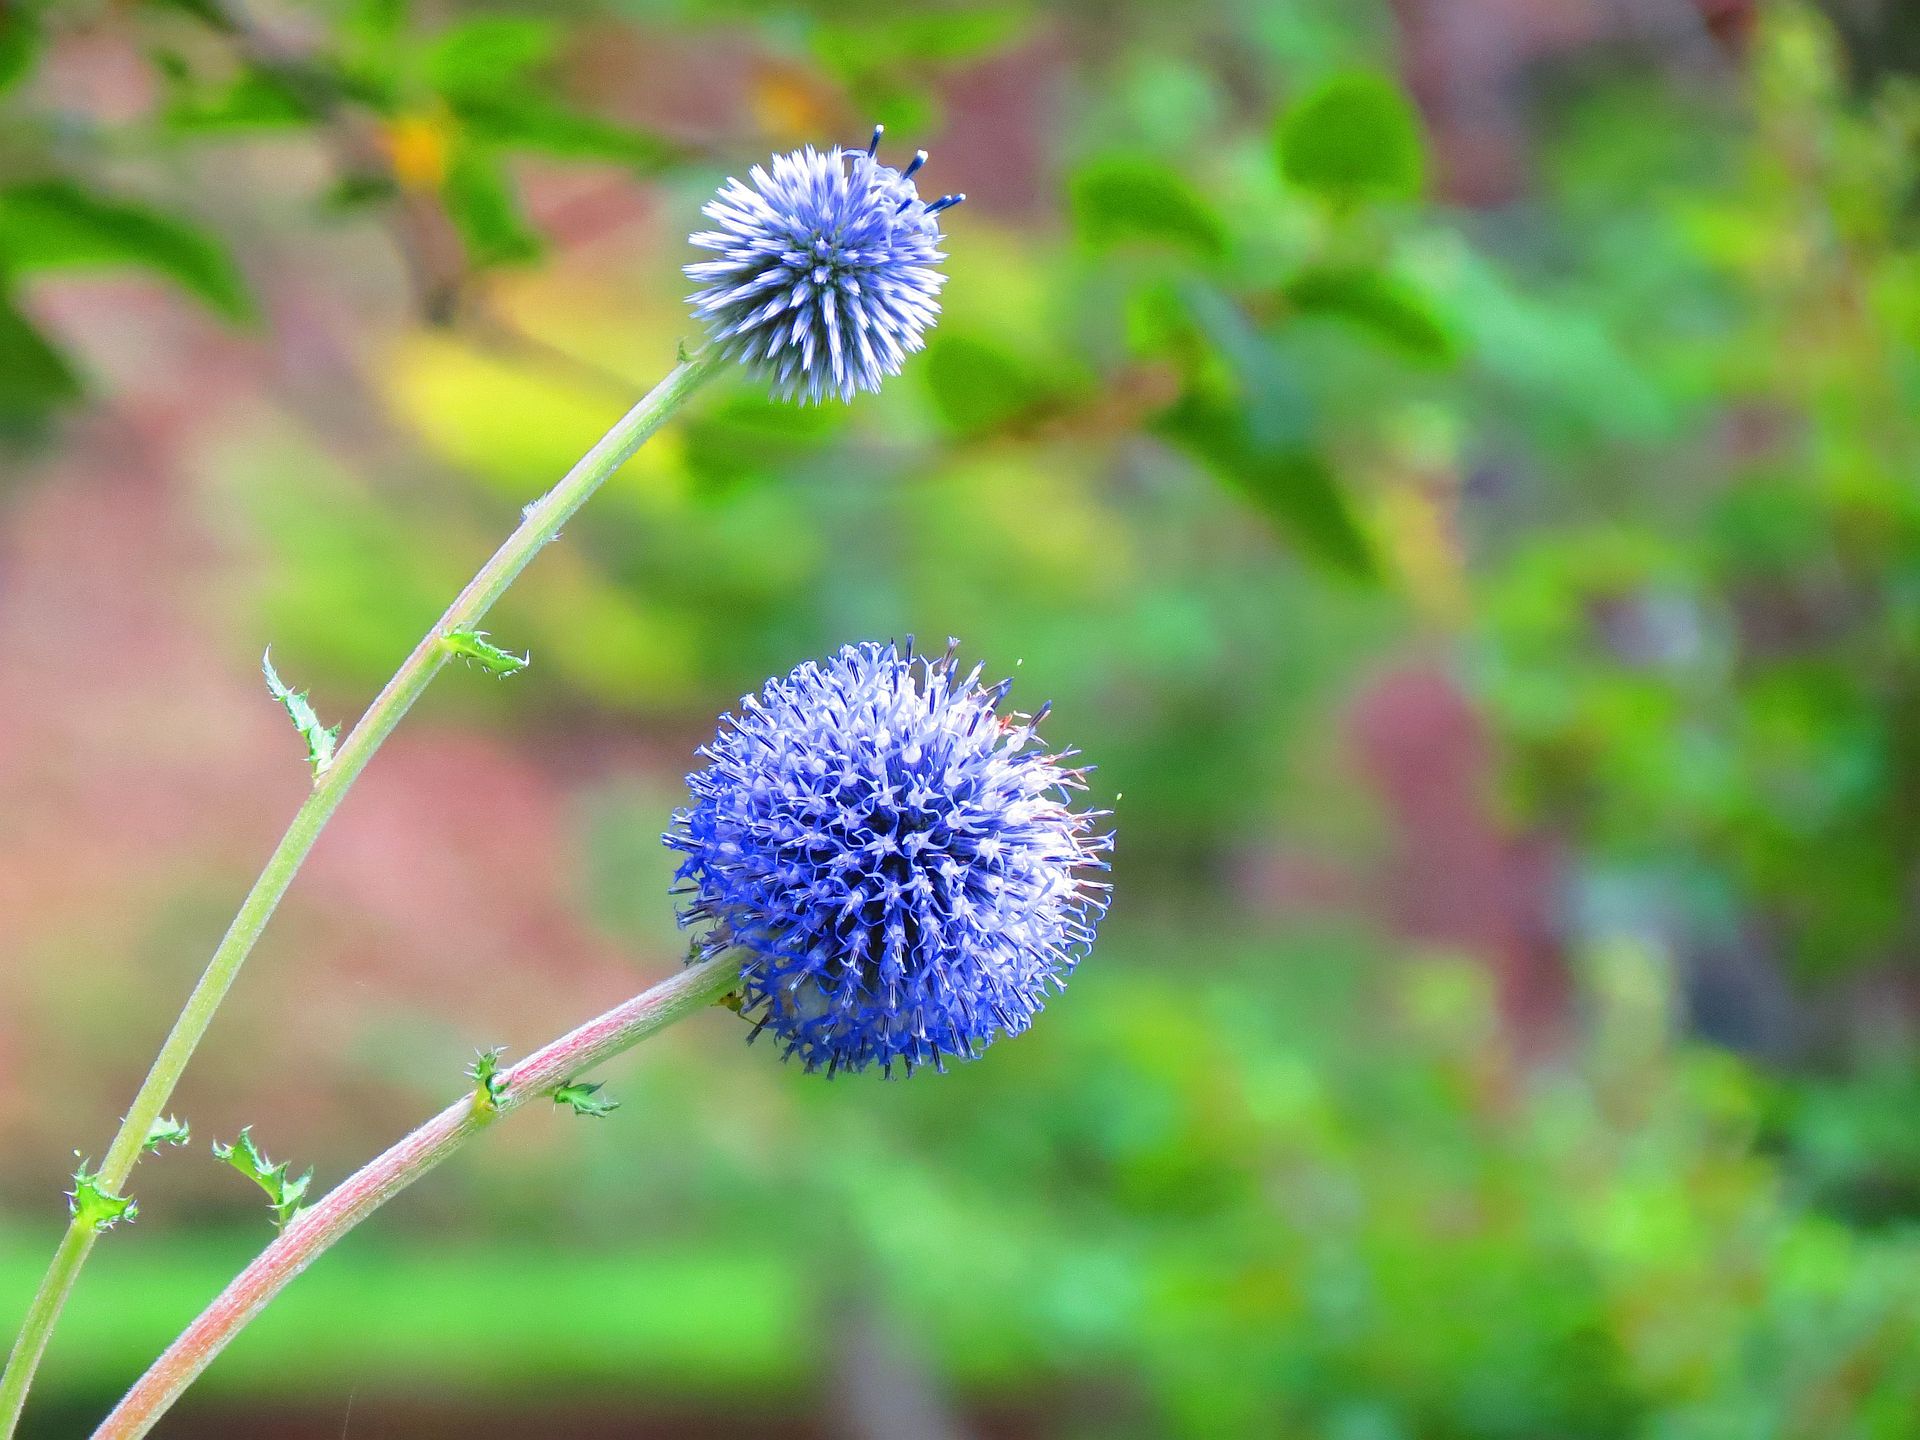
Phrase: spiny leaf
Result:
[488,1083]
[320,738]
[580,1095]
[473,647]
[95,1207]
[283,1194]
[167,1131]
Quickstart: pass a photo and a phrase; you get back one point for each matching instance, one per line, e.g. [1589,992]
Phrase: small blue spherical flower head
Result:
[897,859]
[828,272]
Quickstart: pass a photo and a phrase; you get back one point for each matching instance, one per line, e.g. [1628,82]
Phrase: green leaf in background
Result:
[1353,137]
[55,224]
[207,12]
[978,385]
[746,435]
[1273,402]
[527,122]
[487,71]
[35,378]
[1122,199]
[482,55]
[885,56]
[1293,486]
[351,194]
[21,38]
[1385,306]
[255,99]
[896,38]
[377,24]
[485,207]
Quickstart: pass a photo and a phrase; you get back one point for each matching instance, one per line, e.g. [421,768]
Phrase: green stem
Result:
[540,523]
[313,1231]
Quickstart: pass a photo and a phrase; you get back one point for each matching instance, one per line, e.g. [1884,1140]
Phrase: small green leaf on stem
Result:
[473,647]
[581,1095]
[488,1082]
[320,738]
[284,1194]
[96,1207]
[166,1131]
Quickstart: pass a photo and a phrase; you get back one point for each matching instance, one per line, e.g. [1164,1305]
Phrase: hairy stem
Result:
[310,1234]
[540,523]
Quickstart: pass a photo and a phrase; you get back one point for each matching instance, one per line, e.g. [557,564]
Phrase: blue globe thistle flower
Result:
[897,859]
[828,272]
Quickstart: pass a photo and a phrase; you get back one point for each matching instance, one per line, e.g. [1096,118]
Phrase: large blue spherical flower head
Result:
[828,270]
[898,860]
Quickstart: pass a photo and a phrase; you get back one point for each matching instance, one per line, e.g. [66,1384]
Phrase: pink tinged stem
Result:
[314,1230]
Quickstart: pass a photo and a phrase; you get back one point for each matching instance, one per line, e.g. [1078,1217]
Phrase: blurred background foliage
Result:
[1452,466]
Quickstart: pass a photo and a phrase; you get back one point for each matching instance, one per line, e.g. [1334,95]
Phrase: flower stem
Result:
[312,1231]
[540,523]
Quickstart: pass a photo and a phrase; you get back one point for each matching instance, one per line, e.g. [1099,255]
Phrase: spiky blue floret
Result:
[897,860]
[828,271]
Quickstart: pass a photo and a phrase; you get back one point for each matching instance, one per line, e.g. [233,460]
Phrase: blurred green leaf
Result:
[489,53]
[1275,406]
[903,36]
[978,385]
[484,205]
[377,23]
[35,378]
[528,122]
[353,193]
[54,224]
[1387,307]
[21,38]
[746,435]
[255,99]
[486,69]
[208,12]
[1124,198]
[1292,486]
[1353,137]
